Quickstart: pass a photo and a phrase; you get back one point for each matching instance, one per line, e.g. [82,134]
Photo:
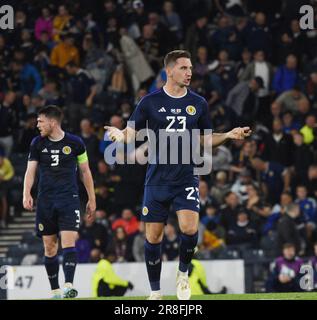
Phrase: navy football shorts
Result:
[53,216]
[157,201]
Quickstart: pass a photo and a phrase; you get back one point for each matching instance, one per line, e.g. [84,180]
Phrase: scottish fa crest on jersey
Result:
[191,110]
[67,150]
[145,211]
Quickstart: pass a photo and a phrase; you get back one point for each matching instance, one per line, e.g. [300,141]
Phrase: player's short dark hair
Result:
[53,112]
[172,56]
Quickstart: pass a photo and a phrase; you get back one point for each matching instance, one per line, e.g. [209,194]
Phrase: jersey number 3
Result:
[55,160]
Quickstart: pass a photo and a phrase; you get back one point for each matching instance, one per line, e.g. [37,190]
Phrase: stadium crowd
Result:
[97,59]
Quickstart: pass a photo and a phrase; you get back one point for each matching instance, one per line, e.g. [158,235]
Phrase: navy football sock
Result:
[69,263]
[52,268]
[153,262]
[186,250]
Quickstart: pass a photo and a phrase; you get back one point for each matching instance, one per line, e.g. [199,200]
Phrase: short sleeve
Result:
[81,152]
[34,154]
[139,115]
[204,119]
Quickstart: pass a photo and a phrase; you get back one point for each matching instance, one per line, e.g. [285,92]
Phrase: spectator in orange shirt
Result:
[128,222]
[60,22]
[65,52]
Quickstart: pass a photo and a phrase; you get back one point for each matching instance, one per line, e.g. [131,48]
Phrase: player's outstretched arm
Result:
[126,135]
[28,184]
[235,134]
[88,182]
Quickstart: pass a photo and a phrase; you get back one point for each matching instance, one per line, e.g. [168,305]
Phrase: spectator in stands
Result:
[243,101]
[196,36]
[6,174]
[308,208]
[172,21]
[312,180]
[91,141]
[7,122]
[44,23]
[287,229]
[309,129]
[313,263]
[286,76]
[228,213]
[81,93]
[275,178]
[289,100]
[122,245]
[220,187]
[30,78]
[290,124]
[139,68]
[285,274]
[128,222]
[302,158]
[240,185]
[204,197]
[170,243]
[259,36]
[278,146]
[94,233]
[60,23]
[65,52]
[243,232]
[138,244]
[27,134]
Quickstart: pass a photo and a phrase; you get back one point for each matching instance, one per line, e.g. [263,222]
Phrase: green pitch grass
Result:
[256,296]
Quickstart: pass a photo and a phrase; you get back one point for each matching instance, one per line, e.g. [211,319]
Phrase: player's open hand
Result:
[239,133]
[28,202]
[90,208]
[115,134]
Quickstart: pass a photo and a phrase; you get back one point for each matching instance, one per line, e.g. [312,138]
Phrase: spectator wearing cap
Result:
[243,100]
[286,76]
[275,178]
[65,52]
[285,272]
[278,146]
[81,93]
[6,174]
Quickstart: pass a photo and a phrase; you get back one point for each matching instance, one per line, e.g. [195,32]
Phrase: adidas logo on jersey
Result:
[162,110]
[45,150]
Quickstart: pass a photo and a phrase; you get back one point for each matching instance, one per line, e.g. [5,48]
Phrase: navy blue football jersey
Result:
[159,111]
[58,164]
